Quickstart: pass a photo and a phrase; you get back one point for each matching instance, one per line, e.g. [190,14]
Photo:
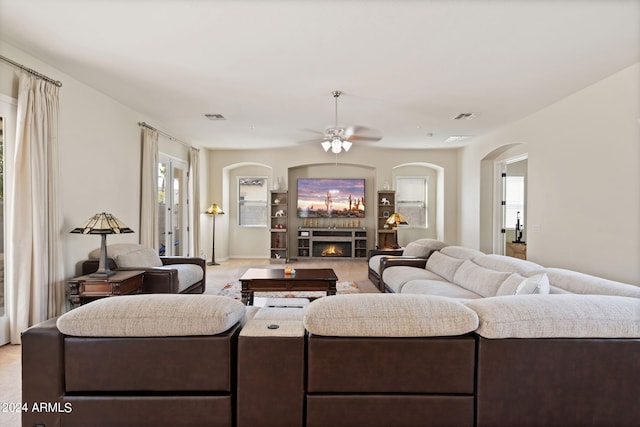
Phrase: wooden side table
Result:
[83,289]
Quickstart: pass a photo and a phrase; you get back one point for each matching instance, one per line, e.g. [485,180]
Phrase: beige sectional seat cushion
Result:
[388,315]
[482,281]
[558,316]
[396,277]
[438,288]
[153,315]
[580,283]
[188,274]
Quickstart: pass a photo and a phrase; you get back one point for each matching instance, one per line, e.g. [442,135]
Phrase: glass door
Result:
[173,218]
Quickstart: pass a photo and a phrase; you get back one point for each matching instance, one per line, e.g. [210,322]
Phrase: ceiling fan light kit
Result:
[336,138]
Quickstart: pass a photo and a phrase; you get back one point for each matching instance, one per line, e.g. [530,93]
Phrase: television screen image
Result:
[331,198]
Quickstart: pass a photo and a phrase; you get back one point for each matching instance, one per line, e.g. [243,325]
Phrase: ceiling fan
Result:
[338,138]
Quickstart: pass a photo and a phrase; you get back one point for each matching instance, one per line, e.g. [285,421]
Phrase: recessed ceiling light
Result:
[458,138]
[465,116]
[215,116]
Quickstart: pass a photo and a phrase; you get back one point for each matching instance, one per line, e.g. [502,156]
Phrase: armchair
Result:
[185,275]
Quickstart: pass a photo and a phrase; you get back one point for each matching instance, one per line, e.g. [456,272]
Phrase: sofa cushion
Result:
[506,263]
[142,257]
[480,280]
[396,277]
[536,284]
[188,274]
[153,315]
[388,315]
[580,283]
[115,250]
[422,248]
[557,316]
[438,288]
[461,252]
[443,265]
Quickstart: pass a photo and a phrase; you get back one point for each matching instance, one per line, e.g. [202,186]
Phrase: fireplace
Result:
[332,249]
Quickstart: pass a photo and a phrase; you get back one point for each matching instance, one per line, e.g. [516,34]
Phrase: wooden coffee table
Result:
[275,280]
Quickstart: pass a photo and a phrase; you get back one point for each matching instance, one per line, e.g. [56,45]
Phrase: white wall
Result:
[583,180]
[99,149]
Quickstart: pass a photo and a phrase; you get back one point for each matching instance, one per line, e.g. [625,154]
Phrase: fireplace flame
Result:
[332,250]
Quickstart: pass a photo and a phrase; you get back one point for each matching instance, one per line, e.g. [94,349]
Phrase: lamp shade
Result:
[396,220]
[214,210]
[103,223]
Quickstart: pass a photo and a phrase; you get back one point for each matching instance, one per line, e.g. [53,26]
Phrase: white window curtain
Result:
[35,268]
[149,189]
[194,202]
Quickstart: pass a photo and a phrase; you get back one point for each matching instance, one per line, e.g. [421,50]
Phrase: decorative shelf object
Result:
[386,204]
[278,251]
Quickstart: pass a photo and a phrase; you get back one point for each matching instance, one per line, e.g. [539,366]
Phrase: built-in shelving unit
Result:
[385,236]
[278,227]
[332,243]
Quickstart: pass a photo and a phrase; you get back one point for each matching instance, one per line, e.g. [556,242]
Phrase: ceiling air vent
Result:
[465,116]
[215,117]
[458,138]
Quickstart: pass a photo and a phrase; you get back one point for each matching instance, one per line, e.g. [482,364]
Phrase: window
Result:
[514,199]
[411,200]
[173,218]
[252,202]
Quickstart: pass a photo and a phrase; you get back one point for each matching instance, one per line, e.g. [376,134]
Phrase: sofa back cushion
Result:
[143,257]
[460,252]
[557,316]
[388,315]
[153,315]
[130,255]
[417,250]
[443,265]
[580,283]
[506,263]
[480,280]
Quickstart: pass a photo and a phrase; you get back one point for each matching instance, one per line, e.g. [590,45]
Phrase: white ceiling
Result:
[406,68]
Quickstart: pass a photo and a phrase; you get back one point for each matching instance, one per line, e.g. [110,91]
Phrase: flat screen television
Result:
[330,198]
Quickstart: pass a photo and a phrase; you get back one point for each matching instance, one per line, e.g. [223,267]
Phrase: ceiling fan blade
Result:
[364,138]
[311,141]
[362,133]
[312,131]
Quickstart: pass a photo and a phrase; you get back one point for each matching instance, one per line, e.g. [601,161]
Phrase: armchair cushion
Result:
[157,315]
[188,274]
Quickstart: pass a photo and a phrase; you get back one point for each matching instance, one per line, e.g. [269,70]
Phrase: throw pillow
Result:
[537,284]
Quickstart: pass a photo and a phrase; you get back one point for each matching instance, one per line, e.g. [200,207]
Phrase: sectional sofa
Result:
[395,359]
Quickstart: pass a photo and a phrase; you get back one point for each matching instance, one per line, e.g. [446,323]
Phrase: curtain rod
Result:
[167,135]
[29,70]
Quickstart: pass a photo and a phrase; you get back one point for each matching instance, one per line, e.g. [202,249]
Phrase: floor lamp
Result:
[213,211]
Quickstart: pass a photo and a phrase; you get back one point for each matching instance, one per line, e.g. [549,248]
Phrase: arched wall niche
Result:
[231,239]
[435,202]
[333,170]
